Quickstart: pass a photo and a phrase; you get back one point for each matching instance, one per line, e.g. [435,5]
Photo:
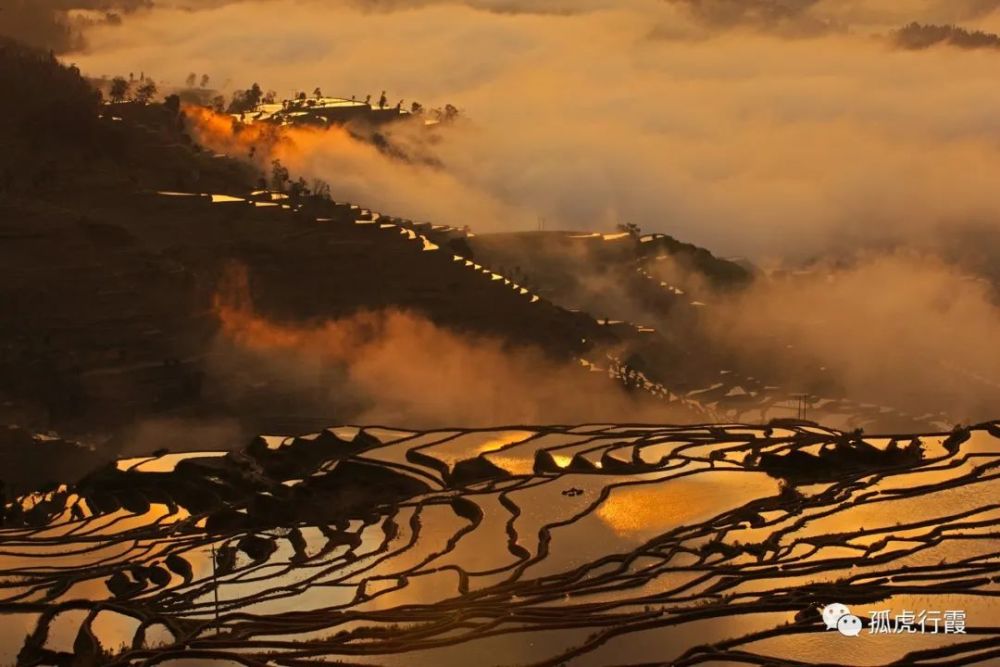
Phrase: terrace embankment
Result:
[526,545]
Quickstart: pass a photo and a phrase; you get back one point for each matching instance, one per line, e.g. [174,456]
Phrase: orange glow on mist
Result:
[411,370]
[224,134]
[334,340]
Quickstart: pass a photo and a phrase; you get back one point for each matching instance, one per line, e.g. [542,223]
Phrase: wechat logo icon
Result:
[838,617]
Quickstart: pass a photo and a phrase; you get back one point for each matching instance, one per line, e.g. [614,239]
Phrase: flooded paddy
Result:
[587,545]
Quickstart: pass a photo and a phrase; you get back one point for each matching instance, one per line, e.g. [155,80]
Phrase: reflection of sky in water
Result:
[647,510]
[668,643]
[13,629]
[865,650]
[416,570]
[469,445]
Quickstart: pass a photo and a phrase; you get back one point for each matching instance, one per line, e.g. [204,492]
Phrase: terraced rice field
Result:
[581,545]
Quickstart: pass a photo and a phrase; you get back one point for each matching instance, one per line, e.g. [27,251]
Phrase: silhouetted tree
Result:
[219,104]
[204,81]
[416,108]
[172,103]
[146,91]
[321,188]
[246,100]
[318,93]
[631,229]
[269,97]
[191,79]
[382,101]
[298,188]
[119,89]
[279,176]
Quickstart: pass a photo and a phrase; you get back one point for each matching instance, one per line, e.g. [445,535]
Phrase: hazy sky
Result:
[755,128]
[775,129]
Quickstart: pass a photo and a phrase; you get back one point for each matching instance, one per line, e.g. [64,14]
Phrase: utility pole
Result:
[215,589]
[801,405]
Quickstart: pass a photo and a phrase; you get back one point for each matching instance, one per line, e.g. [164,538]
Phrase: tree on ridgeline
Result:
[119,89]
[916,36]
[446,115]
[204,81]
[269,97]
[318,93]
[219,104]
[172,103]
[416,108]
[190,80]
[298,188]
[321,189]
[246,100]
[146,91]
[631,229]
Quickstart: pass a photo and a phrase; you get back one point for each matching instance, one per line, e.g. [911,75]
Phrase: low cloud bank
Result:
[737,139]
[397,367]
[784,131]
[902,330]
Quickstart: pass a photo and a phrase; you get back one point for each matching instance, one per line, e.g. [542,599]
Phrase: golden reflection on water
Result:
[12,633]
[664,505]
[503,439]
[469,445]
